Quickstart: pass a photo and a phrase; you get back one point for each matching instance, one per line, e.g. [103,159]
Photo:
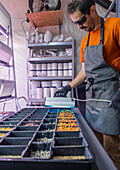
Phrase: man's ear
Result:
[92,9]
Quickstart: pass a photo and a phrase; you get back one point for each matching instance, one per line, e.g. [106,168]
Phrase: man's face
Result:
[83,21]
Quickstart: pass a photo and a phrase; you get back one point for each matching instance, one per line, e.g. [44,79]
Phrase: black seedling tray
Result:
[13,123]
[26,128]
[46,126]
[51,116]
[68,134]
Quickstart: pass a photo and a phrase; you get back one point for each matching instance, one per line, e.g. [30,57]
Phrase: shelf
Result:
[51,78]
[49,59]
[51,45]
[45,18]
[6,98]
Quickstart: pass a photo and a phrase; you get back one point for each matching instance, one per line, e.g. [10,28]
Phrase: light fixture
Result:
[3,31]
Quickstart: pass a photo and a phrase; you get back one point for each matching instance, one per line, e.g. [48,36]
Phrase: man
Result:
[100,57]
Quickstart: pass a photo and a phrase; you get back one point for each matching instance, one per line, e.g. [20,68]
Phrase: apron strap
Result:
[101,33]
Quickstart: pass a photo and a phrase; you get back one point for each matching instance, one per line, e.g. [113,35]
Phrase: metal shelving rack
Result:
[10,65]
[51,45]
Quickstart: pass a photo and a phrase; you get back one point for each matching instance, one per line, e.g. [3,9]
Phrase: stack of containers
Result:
[70,68]
[38,70]
[46,88]
[32,70]
[60,69]
[54,69]
[44,69]
[49,69]
[65,69]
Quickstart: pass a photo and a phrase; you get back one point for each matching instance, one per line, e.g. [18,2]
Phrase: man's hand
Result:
[115,101]
[63,91]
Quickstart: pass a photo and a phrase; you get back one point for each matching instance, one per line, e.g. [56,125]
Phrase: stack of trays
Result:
[39,134]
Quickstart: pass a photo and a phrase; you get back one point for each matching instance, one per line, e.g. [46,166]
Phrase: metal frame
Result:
[9,39]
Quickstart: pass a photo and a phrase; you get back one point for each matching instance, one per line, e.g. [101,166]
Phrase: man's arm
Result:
[79,78]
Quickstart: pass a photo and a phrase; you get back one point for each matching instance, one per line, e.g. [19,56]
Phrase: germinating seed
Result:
[40,154]
[44,140]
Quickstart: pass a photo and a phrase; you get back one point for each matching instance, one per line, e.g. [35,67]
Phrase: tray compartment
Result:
[43,136]
[30,123]
[82,153]
[3,133]
[13,119]
[47,127]
[32,120]
[13,123]
[38,151]
[68,134]
[26,128]
[15,141]
[51,116]
[70,141]
[9,151]
[6,128]
[49,121]
[21,134]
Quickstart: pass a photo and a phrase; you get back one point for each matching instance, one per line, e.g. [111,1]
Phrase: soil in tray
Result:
[40,154]
[69,157]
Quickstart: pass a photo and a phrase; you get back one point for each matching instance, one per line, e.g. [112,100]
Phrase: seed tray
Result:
[70,141]
[15,141]
[68,134]
[32,119]
[38,147]
[26,123]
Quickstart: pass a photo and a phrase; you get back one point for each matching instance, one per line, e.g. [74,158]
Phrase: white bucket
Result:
[60,65]
[70,65]
[52,90]
[54,72]
[54,65]
[57,84]
[66,72]
[44,66]
[39,93]
[49,66]
[34,85]
[60,72]
[64,83]
[45,83]
[65,66]
[46,92]
[49,73]
[70,72]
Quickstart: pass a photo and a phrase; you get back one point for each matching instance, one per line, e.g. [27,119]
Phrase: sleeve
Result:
[82,51]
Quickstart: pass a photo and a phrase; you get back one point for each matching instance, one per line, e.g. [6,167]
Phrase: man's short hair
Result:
[82,5]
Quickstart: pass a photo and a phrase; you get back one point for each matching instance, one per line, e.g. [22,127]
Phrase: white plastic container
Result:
[49,73]
[53,90]
[34,85]
[39,93]
[70,65]
[65,72]
[44,72]
[38,67]
[32,66]
[64,83]
[33,94]
[45,83]
[54,66]
[60,72]
[46,92]
[44,66]
[57,84]
[49,66]
[54,72]
[70,72]
[32,73]
[60,66]
[65,65]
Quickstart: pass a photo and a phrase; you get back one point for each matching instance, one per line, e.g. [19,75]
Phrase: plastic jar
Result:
[49,73]
[60,72]
[53,90]
[45,83]
[65,72]
[70,65]
[60,66]
[49,66]
[57,84]
[44,66]
[46,92]
[65,66]
[39,93]
[70,72]
[54,66]
[54,72]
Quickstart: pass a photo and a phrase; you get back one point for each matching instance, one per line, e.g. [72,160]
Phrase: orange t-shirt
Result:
[111,46]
